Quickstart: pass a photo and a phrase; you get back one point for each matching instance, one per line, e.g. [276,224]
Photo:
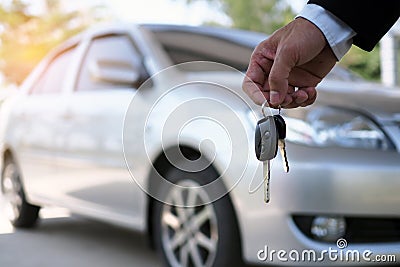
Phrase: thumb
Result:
[278,79]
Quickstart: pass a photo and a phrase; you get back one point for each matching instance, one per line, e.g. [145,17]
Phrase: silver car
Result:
[115,124]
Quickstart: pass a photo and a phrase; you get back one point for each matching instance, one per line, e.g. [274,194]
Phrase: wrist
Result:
[338,34]
[312,31]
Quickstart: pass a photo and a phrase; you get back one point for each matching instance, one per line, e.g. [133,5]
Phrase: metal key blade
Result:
[267,177]
[281,129]
[282,149]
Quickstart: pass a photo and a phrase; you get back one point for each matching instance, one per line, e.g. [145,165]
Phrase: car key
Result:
[266,142]
[266,146]
[267,178]
[281,129]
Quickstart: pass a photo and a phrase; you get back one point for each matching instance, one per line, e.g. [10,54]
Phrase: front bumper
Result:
[329,181]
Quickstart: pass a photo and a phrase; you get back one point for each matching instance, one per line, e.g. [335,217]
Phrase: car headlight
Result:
[328,126]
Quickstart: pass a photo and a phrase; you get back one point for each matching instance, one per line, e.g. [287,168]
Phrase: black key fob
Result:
[280,126]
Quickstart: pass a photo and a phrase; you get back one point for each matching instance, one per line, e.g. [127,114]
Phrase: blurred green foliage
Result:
[366,64]
[258,15]
[269,15]
[255,15]
[25,37]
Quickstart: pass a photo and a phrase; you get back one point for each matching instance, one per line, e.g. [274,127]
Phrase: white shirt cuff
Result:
[338,34]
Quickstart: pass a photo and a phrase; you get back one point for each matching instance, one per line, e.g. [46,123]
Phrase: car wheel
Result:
[196,236]
[19,212]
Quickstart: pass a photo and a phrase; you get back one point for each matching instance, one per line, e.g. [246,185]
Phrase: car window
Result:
[184,46]
[108,64]
[53,78]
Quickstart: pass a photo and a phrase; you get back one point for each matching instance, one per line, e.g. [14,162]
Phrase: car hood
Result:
[377,101]
[374,99]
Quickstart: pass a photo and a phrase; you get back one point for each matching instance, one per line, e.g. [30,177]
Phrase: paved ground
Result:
[72,241]
[61,240]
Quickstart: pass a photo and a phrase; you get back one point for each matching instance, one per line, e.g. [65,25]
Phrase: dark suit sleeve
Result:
[370,19]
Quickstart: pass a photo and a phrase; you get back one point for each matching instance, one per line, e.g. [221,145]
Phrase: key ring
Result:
[264,105]
[263,108]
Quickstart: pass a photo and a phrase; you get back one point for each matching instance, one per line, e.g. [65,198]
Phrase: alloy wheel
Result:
[189,230]
[11,189]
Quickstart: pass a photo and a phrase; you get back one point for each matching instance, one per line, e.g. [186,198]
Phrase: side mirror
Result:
[114,71]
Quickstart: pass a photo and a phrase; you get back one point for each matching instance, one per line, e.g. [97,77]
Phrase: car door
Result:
[95,178]
[36,126]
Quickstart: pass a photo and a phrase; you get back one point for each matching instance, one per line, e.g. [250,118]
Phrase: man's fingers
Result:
[301,98]
[256,76]
[253,91]
[279,75]
[312,96]
[260,64]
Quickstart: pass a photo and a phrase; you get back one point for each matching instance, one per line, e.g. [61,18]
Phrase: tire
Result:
[20,213]
[210,236]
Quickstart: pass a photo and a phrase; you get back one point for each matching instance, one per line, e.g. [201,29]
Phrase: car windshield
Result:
[227,46]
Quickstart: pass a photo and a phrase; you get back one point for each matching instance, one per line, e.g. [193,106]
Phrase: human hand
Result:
[286,68]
